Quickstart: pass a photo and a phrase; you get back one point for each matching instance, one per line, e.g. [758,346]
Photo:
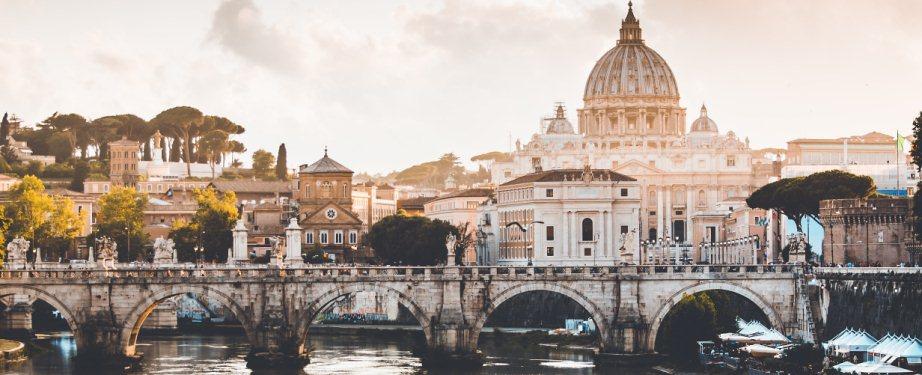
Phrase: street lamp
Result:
[524,230]
[128,241]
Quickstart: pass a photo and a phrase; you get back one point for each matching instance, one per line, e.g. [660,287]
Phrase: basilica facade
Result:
[632,123]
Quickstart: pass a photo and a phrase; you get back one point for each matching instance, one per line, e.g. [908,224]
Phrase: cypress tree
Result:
[281,163]
[4,131]
[163,155]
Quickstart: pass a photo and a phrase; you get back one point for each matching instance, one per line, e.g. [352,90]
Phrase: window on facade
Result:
[338,237]
[731,161]
[550,232]
[550,251]
[652,213]
[353,237]
[587,251]
[623,192]
[326,189]
[587,229]
[323,238]
[549,193]
[309,238]
[624,229]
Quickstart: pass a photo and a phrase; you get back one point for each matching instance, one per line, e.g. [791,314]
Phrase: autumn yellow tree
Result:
[49,222]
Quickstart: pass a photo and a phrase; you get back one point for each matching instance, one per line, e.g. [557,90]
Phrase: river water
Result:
[331,353]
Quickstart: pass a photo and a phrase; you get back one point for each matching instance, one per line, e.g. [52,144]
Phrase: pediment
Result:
[342,216]
[635,167]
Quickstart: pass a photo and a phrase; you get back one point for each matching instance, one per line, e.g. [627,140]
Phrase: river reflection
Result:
[331,354]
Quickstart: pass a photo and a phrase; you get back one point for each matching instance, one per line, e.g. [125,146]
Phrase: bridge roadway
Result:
[106,308]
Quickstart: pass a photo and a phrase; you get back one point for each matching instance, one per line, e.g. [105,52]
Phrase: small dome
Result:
[704,124]
[631,68]
[559,123]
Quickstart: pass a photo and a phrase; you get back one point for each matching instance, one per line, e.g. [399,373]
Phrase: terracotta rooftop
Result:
[569,175]
[252,186]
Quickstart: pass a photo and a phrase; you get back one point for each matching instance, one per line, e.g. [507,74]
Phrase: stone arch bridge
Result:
[106,308]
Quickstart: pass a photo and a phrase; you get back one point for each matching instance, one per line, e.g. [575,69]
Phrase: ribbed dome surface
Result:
[631,68]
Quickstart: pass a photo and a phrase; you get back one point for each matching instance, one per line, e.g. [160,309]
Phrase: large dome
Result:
[631,68]
[704,124]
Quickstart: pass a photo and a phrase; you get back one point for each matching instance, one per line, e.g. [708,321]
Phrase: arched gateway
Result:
[106,309]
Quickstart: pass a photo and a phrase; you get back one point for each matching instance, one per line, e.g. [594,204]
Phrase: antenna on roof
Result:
[324,151]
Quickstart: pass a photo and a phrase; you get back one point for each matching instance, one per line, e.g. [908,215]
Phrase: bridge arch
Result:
[131,326]
[601,320]
[324,300]
[39,294]
[766,308]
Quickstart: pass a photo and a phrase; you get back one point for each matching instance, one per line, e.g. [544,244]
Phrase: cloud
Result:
[238,27]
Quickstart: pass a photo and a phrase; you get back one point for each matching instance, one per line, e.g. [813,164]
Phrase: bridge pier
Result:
[452,346]
[276,345]
[16,321]
[98,340]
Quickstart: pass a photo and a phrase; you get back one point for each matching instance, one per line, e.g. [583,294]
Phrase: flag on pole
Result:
[899,142]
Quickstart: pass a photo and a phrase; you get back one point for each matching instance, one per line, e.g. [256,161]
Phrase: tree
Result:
[212,146]
[4,226]
[690,320]
[72,127]
[120,216]
[61,228]
[214,220]
[185,237]
[182,123]
[234,147]
[61,148]
[799,197]
[50,222]
[281,165]
[410,240]
[4,131]
[263,162]
[81,172]
[916,153]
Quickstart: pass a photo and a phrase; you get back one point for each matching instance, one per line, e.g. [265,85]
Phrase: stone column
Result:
[574,236]
[668,210]
[603,235]
[659,211]
[240,242]
[293,243]
[689,206]
[453,343]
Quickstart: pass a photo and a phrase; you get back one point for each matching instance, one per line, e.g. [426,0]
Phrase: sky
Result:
[388,84]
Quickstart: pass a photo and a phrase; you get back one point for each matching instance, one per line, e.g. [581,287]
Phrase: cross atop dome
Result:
[630,27]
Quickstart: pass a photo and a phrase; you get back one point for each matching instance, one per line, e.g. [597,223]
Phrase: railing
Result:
[230,272]
[867,270]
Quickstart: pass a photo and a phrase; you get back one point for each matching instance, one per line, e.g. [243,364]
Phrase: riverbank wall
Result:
[879,303]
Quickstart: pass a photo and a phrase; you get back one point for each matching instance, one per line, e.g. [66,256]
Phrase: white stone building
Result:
[563,217]
[459,208]
[632,123]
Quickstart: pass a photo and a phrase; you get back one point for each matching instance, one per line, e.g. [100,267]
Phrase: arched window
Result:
[326,189]
[587,229]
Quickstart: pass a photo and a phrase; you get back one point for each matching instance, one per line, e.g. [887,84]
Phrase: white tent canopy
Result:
[876,368]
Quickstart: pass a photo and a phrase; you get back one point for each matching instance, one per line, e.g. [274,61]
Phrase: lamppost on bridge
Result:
[524,230]
[128,241]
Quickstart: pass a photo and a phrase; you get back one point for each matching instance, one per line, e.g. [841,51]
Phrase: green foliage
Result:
[81,171]
[800,197]
[281,166]
[916,150]
[412,240]
[691,320]
[4,131]
[61,148]
[49,222]
[120,215]
[263,162]
[185,237]
[214,221]
[181,123]
[799,359]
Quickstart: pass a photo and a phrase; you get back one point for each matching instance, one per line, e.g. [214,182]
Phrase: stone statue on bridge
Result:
[16,253]
[450,242]
[164,253]
[108,255]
